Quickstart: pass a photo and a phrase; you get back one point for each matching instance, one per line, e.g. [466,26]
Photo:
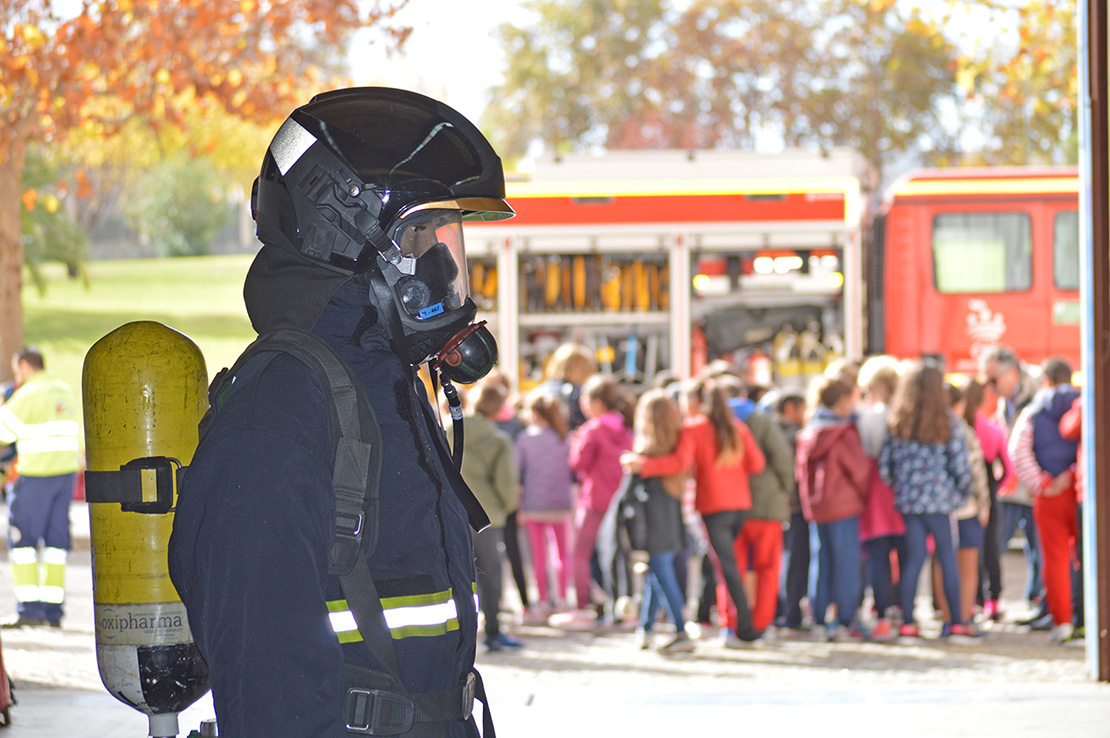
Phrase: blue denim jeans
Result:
[838,570]
[661,589]
[879,575]
[918,529]
[795,584]
[1014,515]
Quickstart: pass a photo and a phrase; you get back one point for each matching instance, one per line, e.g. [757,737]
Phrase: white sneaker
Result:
[1061,633]
[643,639]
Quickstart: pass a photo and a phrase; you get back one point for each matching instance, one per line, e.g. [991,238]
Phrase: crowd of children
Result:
[815,516]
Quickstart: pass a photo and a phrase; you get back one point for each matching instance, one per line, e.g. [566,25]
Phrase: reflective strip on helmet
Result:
[289,145]
[418,615]
[474,208]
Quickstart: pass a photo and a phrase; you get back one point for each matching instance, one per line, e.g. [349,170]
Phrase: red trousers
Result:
[760,545]
[1058,530]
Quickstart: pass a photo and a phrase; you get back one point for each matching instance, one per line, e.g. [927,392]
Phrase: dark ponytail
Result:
[608,391]
[714,405]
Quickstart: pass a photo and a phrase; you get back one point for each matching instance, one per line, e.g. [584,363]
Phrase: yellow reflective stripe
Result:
[416,615]
[989,186]
[435,598]
[424,630]
[349,636]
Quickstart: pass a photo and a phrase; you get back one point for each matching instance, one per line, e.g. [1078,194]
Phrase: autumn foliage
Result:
[94,66]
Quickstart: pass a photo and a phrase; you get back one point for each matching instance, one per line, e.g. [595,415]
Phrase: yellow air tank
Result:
[145,390]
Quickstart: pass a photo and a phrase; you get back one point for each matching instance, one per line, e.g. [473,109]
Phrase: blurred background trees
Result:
[145,119]
[96,66]
[896,80]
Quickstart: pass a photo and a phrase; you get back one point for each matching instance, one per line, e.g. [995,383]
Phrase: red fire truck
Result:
[964,258]
[664,260]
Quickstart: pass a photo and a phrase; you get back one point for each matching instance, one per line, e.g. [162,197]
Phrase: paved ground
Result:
[581,684]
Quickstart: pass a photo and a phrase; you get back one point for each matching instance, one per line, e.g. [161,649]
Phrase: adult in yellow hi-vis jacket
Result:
[41,418]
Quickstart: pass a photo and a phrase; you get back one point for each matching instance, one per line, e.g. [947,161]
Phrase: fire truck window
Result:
[1065,250]
[982,252]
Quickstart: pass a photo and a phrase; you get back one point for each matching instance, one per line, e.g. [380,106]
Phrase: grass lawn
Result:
[201,297]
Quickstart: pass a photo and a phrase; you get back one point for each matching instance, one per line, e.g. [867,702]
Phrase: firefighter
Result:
[41,418]
[359,207]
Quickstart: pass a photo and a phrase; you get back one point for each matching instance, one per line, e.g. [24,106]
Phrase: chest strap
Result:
[377,705]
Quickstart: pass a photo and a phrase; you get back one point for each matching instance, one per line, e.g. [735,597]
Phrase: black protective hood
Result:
[286,290]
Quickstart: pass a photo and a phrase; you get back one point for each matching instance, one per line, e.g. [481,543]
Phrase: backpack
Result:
[632,511]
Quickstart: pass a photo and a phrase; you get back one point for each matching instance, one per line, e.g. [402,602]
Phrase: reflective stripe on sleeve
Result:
[417,615]
[10,426]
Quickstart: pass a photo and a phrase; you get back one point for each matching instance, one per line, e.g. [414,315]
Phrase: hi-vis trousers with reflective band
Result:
[40,590]
[39,516]
[409,616]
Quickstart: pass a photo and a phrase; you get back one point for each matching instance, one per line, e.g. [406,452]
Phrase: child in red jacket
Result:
[833,474]
[723,454]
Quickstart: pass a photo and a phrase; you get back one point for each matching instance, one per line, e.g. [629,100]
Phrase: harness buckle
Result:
[349,526]
[378,712]
[469,691]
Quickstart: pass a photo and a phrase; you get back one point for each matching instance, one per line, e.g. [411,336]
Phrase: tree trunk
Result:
[11,254]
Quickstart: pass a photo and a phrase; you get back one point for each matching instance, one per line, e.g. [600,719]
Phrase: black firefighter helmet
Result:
[377,180]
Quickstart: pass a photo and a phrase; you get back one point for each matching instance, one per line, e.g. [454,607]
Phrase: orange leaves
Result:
[84,186]
[71,62]
[30,197]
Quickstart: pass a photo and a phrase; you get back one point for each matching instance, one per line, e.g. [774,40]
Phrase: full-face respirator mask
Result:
[378,181]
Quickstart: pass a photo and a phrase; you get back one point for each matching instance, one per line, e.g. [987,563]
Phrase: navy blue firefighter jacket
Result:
[255,521]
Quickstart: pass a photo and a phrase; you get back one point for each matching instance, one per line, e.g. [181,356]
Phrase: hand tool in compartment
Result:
[642,295]
[628,287]
[579,269]
[552,291]
[566,283]
[610,286]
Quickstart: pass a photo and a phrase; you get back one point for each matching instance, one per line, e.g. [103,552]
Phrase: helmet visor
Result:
[434,238]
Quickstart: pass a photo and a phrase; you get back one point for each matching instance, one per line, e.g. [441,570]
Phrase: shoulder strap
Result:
[356,441]
[356,438]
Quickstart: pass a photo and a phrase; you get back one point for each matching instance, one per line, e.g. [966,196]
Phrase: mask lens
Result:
[435,239]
